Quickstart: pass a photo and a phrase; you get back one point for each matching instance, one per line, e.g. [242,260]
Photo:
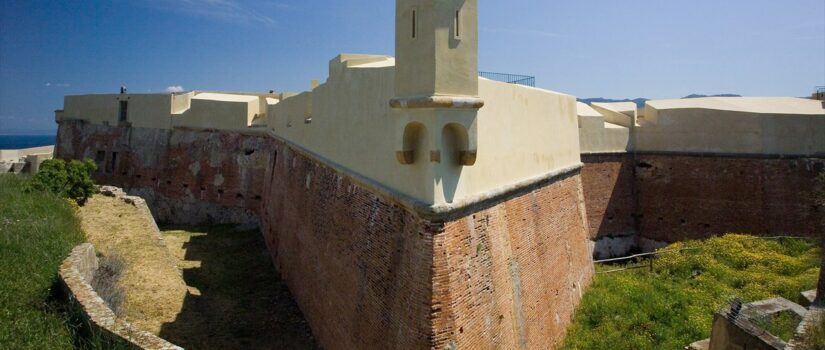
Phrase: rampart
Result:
[694,168]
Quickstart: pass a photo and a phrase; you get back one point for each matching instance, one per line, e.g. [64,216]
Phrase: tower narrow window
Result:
[414,24]
[124,105]
[457,28]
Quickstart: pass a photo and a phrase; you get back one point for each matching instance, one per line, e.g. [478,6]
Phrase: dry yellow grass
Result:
[154,287]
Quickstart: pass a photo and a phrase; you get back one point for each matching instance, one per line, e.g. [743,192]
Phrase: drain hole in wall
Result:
[138,176]
[123,173]
[682,221]
[203,188]
[609,218]
[257,198]
[169,183]
[239,196]
[644,165]
[220,191]
[661,218]
[248,152]
[707,225]
[185,185]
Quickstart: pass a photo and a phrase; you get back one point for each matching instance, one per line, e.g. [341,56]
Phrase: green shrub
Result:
[72,180]
[674,305]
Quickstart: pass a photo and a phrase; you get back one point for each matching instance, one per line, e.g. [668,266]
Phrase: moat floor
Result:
[235,299]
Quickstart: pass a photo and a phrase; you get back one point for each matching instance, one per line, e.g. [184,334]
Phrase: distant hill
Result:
[640,102]
[720,95]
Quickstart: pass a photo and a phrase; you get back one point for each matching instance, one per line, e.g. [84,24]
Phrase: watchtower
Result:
[436,80]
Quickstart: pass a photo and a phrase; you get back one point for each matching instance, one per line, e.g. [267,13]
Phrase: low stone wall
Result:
[76,274]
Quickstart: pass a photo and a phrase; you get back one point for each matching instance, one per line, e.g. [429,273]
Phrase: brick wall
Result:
[188,177]
[688,197]
[369,274]
[608,183]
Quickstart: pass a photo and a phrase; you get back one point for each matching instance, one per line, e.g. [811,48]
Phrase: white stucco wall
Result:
[522,133]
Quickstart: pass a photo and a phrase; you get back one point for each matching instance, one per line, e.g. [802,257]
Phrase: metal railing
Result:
[510,78]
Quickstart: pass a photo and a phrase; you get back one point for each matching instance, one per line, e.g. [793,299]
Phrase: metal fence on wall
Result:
[510,78]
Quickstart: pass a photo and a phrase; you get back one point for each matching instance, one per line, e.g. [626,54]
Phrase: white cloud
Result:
[174,89]
[222,10]
[57,85]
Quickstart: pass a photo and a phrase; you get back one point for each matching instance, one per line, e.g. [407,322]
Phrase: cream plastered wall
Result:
[597,136]
[439,59]
[522,133]
[771,126]
[143,110]
[14,155]
[219,111]
[619,113]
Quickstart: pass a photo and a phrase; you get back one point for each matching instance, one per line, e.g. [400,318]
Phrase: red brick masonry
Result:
[367,273]
[370,274]
[680,196]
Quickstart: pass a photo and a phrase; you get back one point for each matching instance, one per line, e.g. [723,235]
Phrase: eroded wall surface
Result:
[186,176]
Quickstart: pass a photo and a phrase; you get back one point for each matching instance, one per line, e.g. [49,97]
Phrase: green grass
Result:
[674,306]
[37,231]
[782,324]
[814,337]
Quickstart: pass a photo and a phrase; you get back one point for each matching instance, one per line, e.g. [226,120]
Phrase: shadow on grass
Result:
[236,299]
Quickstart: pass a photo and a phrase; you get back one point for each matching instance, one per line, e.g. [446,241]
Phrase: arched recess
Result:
[414,140]
[457,145]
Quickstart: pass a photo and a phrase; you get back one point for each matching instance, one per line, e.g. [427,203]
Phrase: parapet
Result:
[757,126]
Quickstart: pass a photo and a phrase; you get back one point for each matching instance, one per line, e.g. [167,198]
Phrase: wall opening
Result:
[415,140]
[414,23]
[457,24]
[112,163]
[123,111]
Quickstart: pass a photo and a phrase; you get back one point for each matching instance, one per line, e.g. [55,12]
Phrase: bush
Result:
[72,180]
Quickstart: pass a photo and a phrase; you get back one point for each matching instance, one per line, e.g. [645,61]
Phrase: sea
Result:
[25,141]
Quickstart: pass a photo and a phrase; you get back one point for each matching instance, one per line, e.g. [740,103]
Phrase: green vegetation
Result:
[37,231]
[71,180]
[674,305]
[782,324]
[814,338]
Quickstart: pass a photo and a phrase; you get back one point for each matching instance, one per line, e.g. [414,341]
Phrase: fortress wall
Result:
[186,176]
[368,273]
[358,266]
[510,276]
[609,192]
[684,196]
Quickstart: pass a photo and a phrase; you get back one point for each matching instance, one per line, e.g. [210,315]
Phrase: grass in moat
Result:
[673,306]
[37,231]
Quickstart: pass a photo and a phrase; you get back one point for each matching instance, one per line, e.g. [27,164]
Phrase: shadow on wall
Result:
[236,299]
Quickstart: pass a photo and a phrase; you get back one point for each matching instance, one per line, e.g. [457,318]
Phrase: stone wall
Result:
[187,176]
[76,274]
[368,273]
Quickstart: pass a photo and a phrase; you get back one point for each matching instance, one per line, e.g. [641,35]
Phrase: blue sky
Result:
[605,48]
